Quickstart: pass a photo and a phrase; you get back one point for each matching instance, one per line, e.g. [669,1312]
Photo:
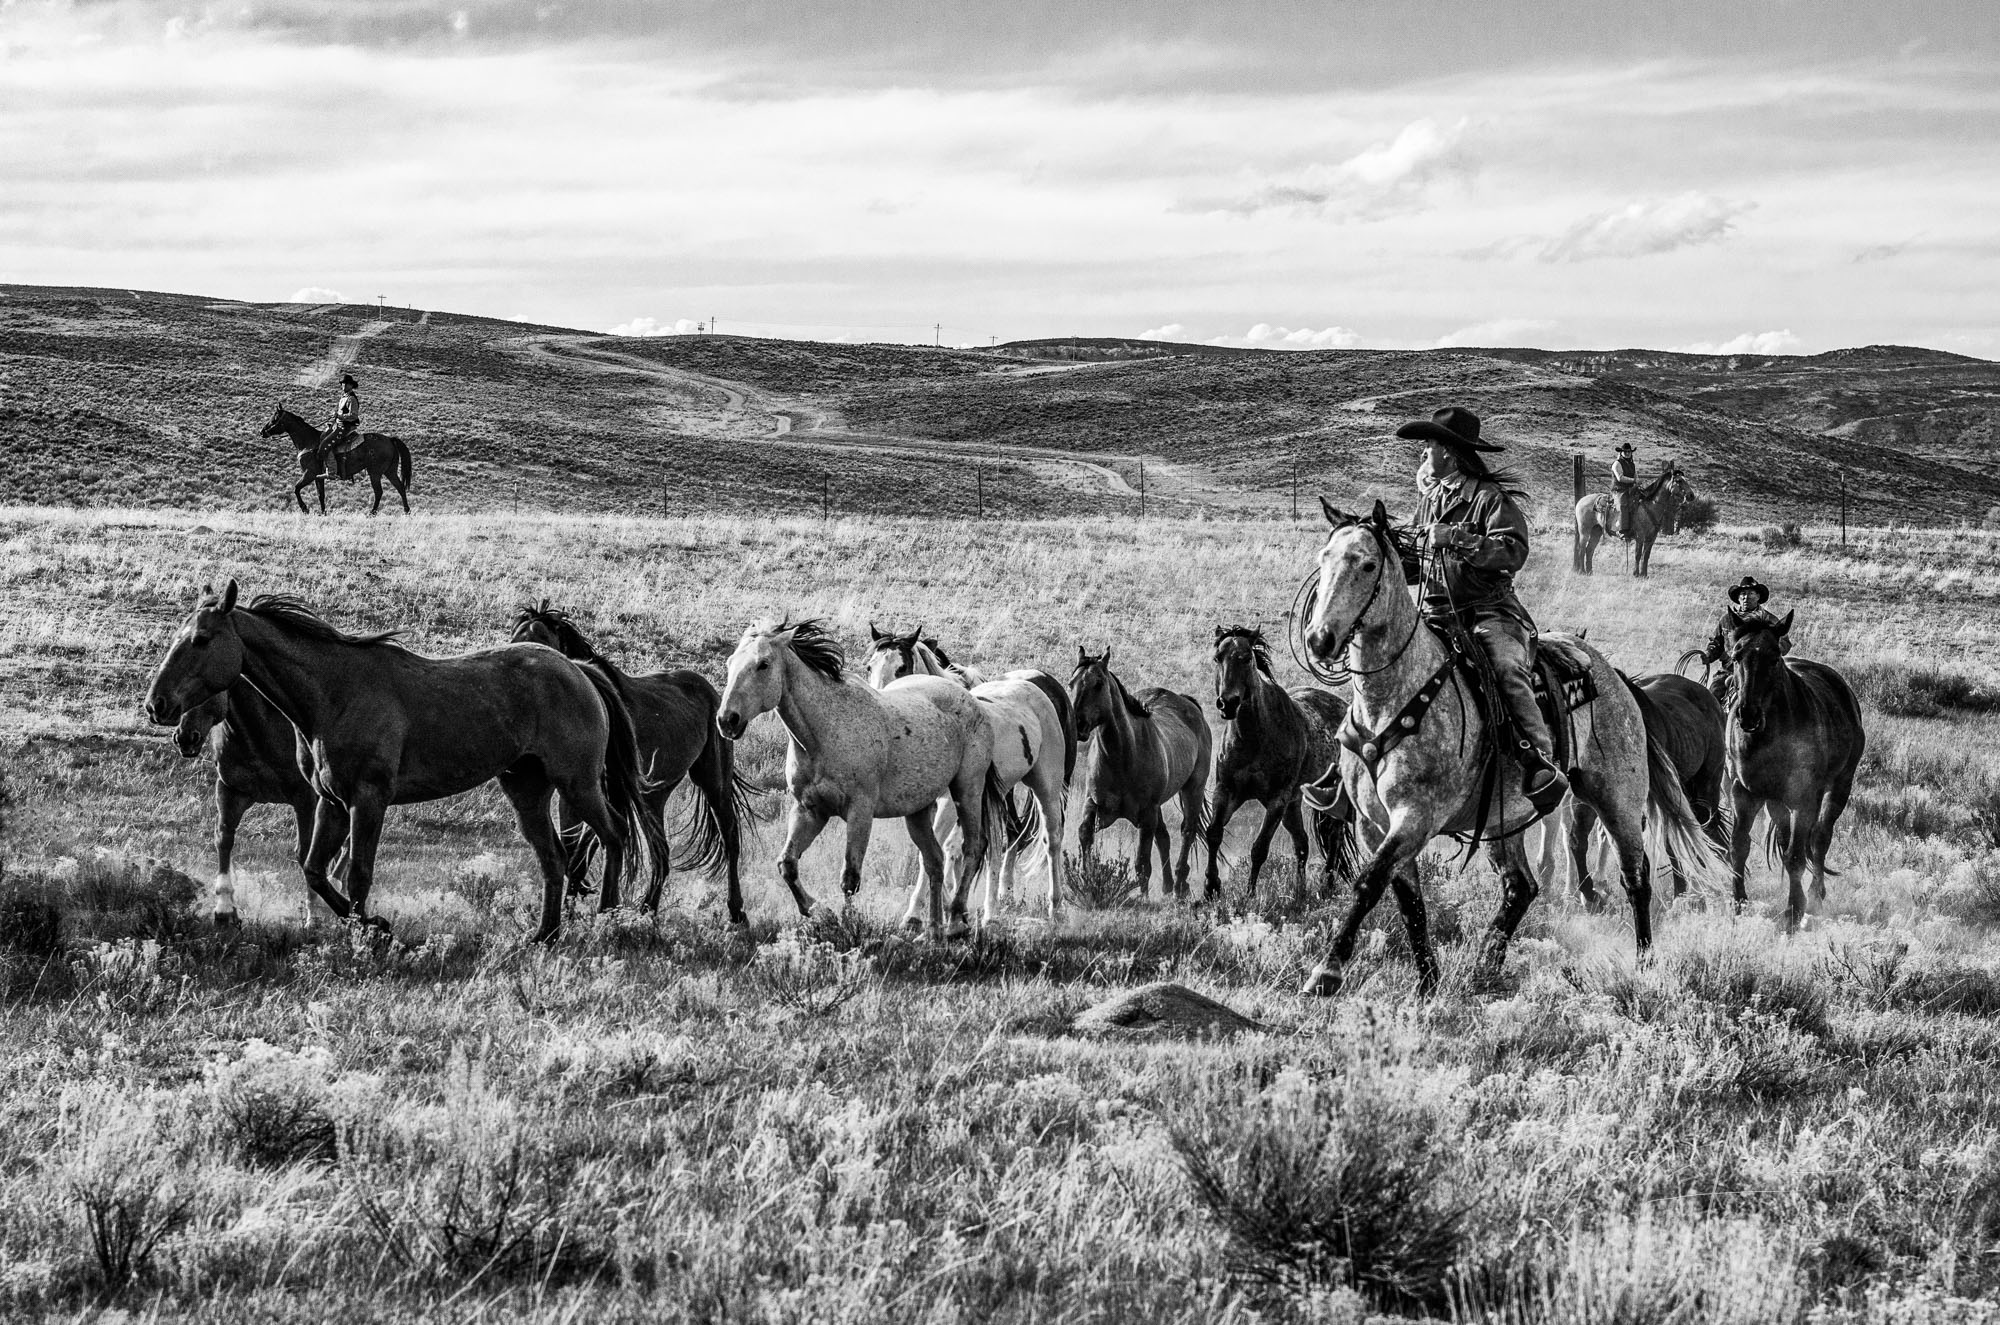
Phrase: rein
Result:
[1307,600]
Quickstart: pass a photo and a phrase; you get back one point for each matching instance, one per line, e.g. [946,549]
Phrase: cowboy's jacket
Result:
[1624,472]
[1475,576]
[349,413]
[1731,619]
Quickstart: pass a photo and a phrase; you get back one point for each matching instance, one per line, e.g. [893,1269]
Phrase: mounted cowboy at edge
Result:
[343,450]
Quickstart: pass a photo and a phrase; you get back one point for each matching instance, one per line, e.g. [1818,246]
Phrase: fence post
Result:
[1142,489]
[826,495]
[1843,508]
[1295,487]
[663,499]
[1575,532]
[979,478]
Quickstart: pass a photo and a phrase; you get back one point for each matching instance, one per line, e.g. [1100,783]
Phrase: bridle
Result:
[1304,605]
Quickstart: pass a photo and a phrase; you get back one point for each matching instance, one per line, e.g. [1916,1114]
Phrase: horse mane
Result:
[937,650]
[291,613]
[1652,490]
[1260,648]
[810,640]
[570,641]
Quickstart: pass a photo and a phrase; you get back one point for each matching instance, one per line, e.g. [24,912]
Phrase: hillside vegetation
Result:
[117,397]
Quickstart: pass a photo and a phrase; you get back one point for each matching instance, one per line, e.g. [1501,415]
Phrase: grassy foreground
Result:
[651,1121]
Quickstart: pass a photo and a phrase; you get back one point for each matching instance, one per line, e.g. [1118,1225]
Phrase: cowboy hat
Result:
[1452,426]
[347,379]
[1750,586]
[1624,448]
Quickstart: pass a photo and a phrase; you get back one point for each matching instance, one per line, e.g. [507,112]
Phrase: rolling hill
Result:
[124,397]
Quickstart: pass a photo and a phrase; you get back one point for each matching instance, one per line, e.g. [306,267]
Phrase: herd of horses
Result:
[342,726]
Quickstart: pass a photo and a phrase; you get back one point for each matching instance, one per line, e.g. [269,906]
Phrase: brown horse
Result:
[1656,511]
[387,727]
[1151,747]
[1273,740]
[673,717]
[1795,739]
[379,454]
[257,757]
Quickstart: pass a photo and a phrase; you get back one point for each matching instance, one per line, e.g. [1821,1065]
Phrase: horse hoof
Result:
[228,920]
[1324,982]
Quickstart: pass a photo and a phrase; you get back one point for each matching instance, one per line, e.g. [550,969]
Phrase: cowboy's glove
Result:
[1448,537]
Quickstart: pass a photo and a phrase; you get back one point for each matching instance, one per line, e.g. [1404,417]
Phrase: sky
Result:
[1783,176]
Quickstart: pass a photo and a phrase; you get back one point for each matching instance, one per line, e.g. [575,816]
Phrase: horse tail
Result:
[626,782]
[402,462]
[1673,829]
[712,832]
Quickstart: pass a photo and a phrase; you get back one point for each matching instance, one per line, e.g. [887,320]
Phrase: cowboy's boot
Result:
[1541,781]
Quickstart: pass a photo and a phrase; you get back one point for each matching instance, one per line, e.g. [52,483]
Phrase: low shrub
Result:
[1698,515]
[1099,883]
[1923,690]
[1787,535]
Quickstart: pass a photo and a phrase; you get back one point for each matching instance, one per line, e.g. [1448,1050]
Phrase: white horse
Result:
[861,755]
[1427,739]
[1034,742]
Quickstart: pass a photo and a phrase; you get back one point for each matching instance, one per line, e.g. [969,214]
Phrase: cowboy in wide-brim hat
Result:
[1746,608]
[1624,489]
[346,418]
[1481,539]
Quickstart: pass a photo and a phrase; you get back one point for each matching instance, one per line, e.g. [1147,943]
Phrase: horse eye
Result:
[1367,565]
[201,641]
[763,666]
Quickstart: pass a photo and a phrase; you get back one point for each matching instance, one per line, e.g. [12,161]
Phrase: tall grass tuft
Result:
[1324,1186]
[1925,690]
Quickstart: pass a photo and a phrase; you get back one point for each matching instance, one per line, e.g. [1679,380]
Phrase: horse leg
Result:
[1745,806]
[230,806]
[365,810]
[586,798]
[1220,810]
[1086,832]
[329,834]
[1831,806]
[375,479]
[654,802]
[1800,828]
[1192,798]
[576,853]
[1416,924]
[1399,847]
[1626,827]
[1517,893]
[714,778]
[924,837]
[943,825]
[1582,818]
[1163,843]
[805,826]
[1260,846]
[968,795]
[860,825]
[1050,791]
[299,495]
[527,788]
[1294,819]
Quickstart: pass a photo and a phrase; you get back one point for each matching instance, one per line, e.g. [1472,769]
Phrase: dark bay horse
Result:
[673,718]
[1686,722]
[1795,740]
[1151,747]
[1273,741]
[256,763]
[1655,511]
[381,455]
[387,727]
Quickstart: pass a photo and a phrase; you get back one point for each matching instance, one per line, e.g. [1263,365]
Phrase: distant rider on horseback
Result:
[346,421]
[1481,539]
[1746,608]
[1624,489]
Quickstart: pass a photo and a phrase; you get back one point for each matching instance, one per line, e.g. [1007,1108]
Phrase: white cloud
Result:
[1384,178]
[1641,228]
[1171,331]
[1287,338]
[646,326]
[317,294]
[1750,342]
[1506,331]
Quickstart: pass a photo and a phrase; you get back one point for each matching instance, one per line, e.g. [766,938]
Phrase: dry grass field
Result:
[651,1120]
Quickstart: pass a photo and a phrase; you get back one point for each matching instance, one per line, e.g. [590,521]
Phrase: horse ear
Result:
[1380,515]
[1081,656]
[229,597]
[1106,659]
[875,636]
[1334,516]
[1785,626]
[1219,633]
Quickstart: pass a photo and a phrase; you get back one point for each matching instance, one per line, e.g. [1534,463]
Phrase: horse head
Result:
[204,659]
[282,421]
[1353,567]
[191,732]
[1240,653]
[1092,688]
[1757,664]
[892,657]
[760,669]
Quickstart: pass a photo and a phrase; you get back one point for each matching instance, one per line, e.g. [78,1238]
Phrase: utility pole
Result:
[381,301]
[991,341]
[937,333]
[713,325]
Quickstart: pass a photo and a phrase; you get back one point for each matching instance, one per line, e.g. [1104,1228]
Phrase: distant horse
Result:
[1034,741]
[1656,511]
[1151,747]
[1273,740]
[1687,722]
[1428,779]
[387,727]
[1795,740]
[257,756]
[381,455]
[673,717]
[860,755]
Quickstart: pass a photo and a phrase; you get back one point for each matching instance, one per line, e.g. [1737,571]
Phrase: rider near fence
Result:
[1624,488]
[1480,538]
